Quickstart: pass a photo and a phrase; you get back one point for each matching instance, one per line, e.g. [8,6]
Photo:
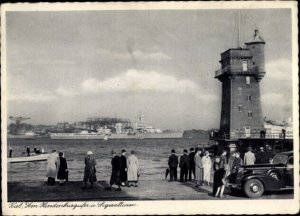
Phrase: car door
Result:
[289,172]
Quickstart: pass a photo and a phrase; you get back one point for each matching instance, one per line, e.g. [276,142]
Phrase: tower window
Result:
[249,98]
[253,63]
[250,114]
[239,90]
[240,108]
[245,66]
[247,80]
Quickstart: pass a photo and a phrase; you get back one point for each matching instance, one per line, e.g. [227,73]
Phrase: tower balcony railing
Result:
[238,70]
[254,135]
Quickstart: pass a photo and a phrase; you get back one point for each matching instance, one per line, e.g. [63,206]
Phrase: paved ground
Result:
[147,190]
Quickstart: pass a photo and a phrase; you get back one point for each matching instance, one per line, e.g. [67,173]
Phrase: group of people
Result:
[125,169]
[192,164]
[223,167]
[258,157]
[28,151]
[200,166]
[57,167]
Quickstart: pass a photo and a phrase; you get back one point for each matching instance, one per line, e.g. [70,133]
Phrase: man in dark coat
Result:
[115,172]
[10,152]
[28,151]
[89,169]
[191,163]
[123,168]
[261,156]
[62,169]
[173,163]
[184,165]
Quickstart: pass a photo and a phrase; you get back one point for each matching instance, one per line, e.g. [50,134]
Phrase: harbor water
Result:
[152,154]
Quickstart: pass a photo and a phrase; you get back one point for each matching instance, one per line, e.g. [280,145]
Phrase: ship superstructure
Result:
[114,129]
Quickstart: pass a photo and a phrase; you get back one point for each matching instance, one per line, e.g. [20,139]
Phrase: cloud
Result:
[131,81]
[62,91]
[273,98]
[33,97]
[137,81]
[43,96]
[276,105]
[46,62]
[276,101]
[148,56]
[280,69]
[136,54]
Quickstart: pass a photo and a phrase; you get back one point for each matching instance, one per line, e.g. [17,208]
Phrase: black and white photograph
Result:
[107,107]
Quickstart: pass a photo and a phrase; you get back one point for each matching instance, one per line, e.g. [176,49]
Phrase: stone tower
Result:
[240,74]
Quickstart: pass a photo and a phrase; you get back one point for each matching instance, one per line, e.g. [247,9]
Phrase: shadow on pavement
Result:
[71,191]
[200,189]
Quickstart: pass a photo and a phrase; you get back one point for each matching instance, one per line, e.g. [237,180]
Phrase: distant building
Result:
[119,128]
[241,71]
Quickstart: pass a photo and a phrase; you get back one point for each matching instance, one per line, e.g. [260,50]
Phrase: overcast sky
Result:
[67,66]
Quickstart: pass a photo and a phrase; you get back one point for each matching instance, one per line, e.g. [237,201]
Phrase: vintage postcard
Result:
[150,108]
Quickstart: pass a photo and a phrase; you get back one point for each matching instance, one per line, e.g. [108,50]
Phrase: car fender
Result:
[270,184]
[274,170]
[252,176]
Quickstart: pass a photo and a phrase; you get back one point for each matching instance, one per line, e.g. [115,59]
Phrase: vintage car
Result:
[254,180]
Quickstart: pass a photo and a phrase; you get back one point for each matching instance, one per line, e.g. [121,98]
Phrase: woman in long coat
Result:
[206,161]
[217,178]
[133,169]
[221,174]
[198,168]
[62,169]
[52,163]
[89,170]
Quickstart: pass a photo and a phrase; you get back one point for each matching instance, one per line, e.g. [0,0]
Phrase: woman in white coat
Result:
[133,169]
[206,162]
[52,164]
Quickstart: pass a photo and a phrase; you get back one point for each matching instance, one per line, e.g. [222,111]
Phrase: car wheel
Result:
[254,188]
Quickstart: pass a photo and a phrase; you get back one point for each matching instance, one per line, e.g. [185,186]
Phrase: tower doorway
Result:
[247,131]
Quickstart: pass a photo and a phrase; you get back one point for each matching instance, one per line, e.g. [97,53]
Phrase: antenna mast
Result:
[238,28]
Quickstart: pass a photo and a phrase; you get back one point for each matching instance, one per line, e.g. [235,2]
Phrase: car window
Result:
[280,159]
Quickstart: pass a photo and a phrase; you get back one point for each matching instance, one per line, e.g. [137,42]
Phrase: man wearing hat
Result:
[184,165]
[28,150]
[173,163]
[123,168]
[90,169]
[115,172]
[191,164]
[261,156]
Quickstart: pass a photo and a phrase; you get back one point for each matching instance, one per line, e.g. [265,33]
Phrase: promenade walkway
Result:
[147,190]
[72,191]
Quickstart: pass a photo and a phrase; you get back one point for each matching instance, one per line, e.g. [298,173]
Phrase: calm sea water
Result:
[152,154]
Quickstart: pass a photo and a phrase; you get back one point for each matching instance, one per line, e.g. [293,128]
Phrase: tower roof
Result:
[257,38]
